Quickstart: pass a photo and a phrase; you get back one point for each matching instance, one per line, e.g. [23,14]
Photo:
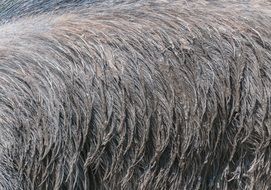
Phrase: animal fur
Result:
[136,95]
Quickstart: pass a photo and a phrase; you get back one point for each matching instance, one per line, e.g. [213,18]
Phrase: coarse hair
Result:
[137,95]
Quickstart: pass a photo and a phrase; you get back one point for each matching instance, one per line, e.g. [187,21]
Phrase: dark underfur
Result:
[136,95]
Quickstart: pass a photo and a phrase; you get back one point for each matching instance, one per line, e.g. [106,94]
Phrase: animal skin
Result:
[135,94]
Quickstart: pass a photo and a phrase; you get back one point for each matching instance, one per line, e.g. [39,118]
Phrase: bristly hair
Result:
[137,95]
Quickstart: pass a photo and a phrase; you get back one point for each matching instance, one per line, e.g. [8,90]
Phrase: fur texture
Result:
[136,95]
